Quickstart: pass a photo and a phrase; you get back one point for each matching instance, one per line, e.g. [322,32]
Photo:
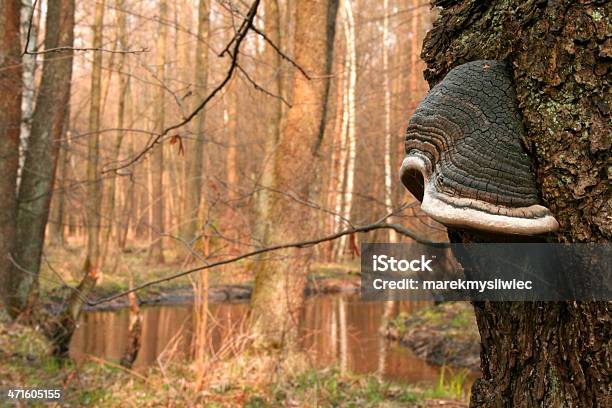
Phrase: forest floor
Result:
[244,380]
[444,334]
[62,267]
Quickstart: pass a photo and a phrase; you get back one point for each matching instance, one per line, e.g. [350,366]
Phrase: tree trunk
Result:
[29,35]
[342,154]
[557,353]
[231,126]
[349,117]
[10,120]
[38,172]
[195,152]
[279,287]
[94,195]
[129,203]
[273,61]
[156,254]
[124,84]
[57,223]
[414,56]
[334,169]
[386,44]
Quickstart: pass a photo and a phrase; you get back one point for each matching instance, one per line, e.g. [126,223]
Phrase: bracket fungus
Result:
[465,160]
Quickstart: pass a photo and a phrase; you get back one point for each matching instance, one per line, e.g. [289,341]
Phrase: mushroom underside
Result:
[470,213]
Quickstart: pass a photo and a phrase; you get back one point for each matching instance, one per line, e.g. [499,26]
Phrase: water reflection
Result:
[340,330]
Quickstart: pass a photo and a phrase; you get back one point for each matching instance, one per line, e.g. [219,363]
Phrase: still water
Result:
[335,329]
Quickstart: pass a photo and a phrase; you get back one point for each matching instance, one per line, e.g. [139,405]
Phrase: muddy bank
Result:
[445,334]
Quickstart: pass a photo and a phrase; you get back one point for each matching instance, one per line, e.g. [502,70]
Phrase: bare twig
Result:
[246,25]
[62,49]
[262,89]
[380,224]
[281,53]
[29,33]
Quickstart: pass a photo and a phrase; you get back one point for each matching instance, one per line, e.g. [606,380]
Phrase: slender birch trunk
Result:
[343,153]
[29,78]
[334,183]
[387,106]
[351,54]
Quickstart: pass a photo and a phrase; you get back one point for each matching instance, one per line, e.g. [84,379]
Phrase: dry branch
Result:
[236,41]
[380,224]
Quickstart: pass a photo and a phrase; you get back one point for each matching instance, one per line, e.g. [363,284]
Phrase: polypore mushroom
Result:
[465,160]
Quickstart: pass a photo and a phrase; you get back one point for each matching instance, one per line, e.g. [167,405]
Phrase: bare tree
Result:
[349,120]
[48,122]
[156,253]
[275,109]
[94,192]
[124,83]
[278,293]
[10,120]
[387,112]
[195,152]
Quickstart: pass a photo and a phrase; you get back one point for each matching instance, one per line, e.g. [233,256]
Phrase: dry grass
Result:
[234,376]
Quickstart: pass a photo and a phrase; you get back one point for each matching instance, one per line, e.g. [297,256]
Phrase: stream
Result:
[335,329]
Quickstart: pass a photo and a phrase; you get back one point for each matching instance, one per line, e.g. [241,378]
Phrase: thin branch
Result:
[29,33]
[247,25]
[20,268]
[281,53]
[380,224]
[62,49]
[262,89]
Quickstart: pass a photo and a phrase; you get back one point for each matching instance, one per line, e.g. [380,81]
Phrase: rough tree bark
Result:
[279,287]
[545,354]
[10,120]
[38,172]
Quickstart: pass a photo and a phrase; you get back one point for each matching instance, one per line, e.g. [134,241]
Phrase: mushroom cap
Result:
[465,159]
